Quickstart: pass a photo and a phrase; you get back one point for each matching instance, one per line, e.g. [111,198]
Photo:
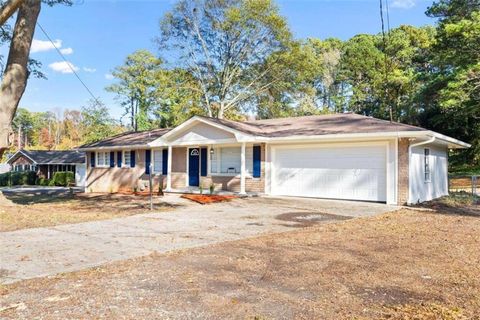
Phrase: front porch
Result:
[227,168]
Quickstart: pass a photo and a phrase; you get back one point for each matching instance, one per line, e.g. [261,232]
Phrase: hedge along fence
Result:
[18,178]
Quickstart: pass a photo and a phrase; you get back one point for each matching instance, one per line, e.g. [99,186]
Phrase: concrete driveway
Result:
[41,252]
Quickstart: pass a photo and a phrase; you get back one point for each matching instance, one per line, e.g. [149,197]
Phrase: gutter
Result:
[431,140]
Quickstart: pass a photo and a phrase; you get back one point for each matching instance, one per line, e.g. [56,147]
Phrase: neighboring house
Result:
[46,163]
[4,167]
[339,156]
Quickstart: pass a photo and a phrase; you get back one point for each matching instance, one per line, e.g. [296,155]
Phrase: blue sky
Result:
[96,36]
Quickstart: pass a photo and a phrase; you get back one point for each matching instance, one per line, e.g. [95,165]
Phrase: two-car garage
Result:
[339,171]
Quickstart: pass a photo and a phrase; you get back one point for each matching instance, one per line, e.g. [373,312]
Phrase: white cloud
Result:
[66,51]
[90,70]
[63,67]
[41,46]
[108,76]
[403,4]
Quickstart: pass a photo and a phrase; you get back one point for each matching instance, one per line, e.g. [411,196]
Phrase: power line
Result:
[68,64]
[384,39]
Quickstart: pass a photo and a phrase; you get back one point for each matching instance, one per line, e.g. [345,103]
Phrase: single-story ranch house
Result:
[46,163]
[338,156]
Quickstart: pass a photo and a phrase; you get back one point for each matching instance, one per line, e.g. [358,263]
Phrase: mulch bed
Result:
[207,199]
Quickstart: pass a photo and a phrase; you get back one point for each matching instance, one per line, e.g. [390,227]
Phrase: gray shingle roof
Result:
[316,125]
[55,157]
[282,127]
[128,139]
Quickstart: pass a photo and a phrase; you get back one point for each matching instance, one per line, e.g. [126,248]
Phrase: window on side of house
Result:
[157,161]
[127,158]
[103,159]
[426,164]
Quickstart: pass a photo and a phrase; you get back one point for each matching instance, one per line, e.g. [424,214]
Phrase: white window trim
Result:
[124,163]
[153,161]
[426,160]
[97,158]
[248,173]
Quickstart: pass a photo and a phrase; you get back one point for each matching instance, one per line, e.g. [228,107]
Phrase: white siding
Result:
[421,190]
[80,175]
[202,133]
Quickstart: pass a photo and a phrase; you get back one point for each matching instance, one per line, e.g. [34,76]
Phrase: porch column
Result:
[242,169]
[169,169]
[48,171]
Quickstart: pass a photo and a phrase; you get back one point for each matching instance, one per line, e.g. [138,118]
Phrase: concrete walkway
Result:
[41,252]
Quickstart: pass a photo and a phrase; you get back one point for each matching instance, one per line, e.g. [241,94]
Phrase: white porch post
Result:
[48,171]
[242,169]
[169,169]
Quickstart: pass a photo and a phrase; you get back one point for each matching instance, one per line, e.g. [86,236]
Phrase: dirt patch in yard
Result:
[37,209]
[307,219]
[408,264]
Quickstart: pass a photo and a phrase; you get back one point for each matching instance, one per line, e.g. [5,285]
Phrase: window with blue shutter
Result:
[148,160]
[112,159]
[132,159]
[203,162]
[257,161]
[164,161]
[119,159]
[92,159]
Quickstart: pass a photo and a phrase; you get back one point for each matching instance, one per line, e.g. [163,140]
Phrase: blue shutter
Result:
[92,159]
[164,161]
[148,160]
[119,159]
[257,161]
[203,162]
[112,159]
[132,159]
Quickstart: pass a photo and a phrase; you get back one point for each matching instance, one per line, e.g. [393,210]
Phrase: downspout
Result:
[432,139]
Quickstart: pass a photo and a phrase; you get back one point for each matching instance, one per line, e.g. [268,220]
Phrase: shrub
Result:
[43,182]
[18,178]
[212,188]
[63,178]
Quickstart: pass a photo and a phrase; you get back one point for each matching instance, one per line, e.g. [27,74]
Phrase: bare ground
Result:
[36,209]
[409,264]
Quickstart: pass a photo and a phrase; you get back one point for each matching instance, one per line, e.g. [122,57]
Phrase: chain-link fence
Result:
[468,184]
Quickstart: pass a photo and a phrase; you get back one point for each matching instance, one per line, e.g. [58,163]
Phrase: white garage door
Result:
[348,172]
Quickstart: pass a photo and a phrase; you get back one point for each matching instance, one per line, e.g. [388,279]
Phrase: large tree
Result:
[224,44]
[17,71]
[136,87]
[453,91]
[96,123]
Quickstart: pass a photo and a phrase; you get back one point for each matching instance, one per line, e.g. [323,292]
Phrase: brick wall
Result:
[403,171]
[125,179]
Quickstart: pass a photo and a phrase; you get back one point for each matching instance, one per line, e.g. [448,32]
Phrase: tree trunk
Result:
[16,73]
[8,9]
[221,110]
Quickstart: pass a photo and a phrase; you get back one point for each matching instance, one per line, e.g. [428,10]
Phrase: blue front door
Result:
[194,167]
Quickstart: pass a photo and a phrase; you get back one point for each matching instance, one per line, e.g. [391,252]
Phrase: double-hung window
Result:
[127,160]
[426,164]
[157,161]
[103,159]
